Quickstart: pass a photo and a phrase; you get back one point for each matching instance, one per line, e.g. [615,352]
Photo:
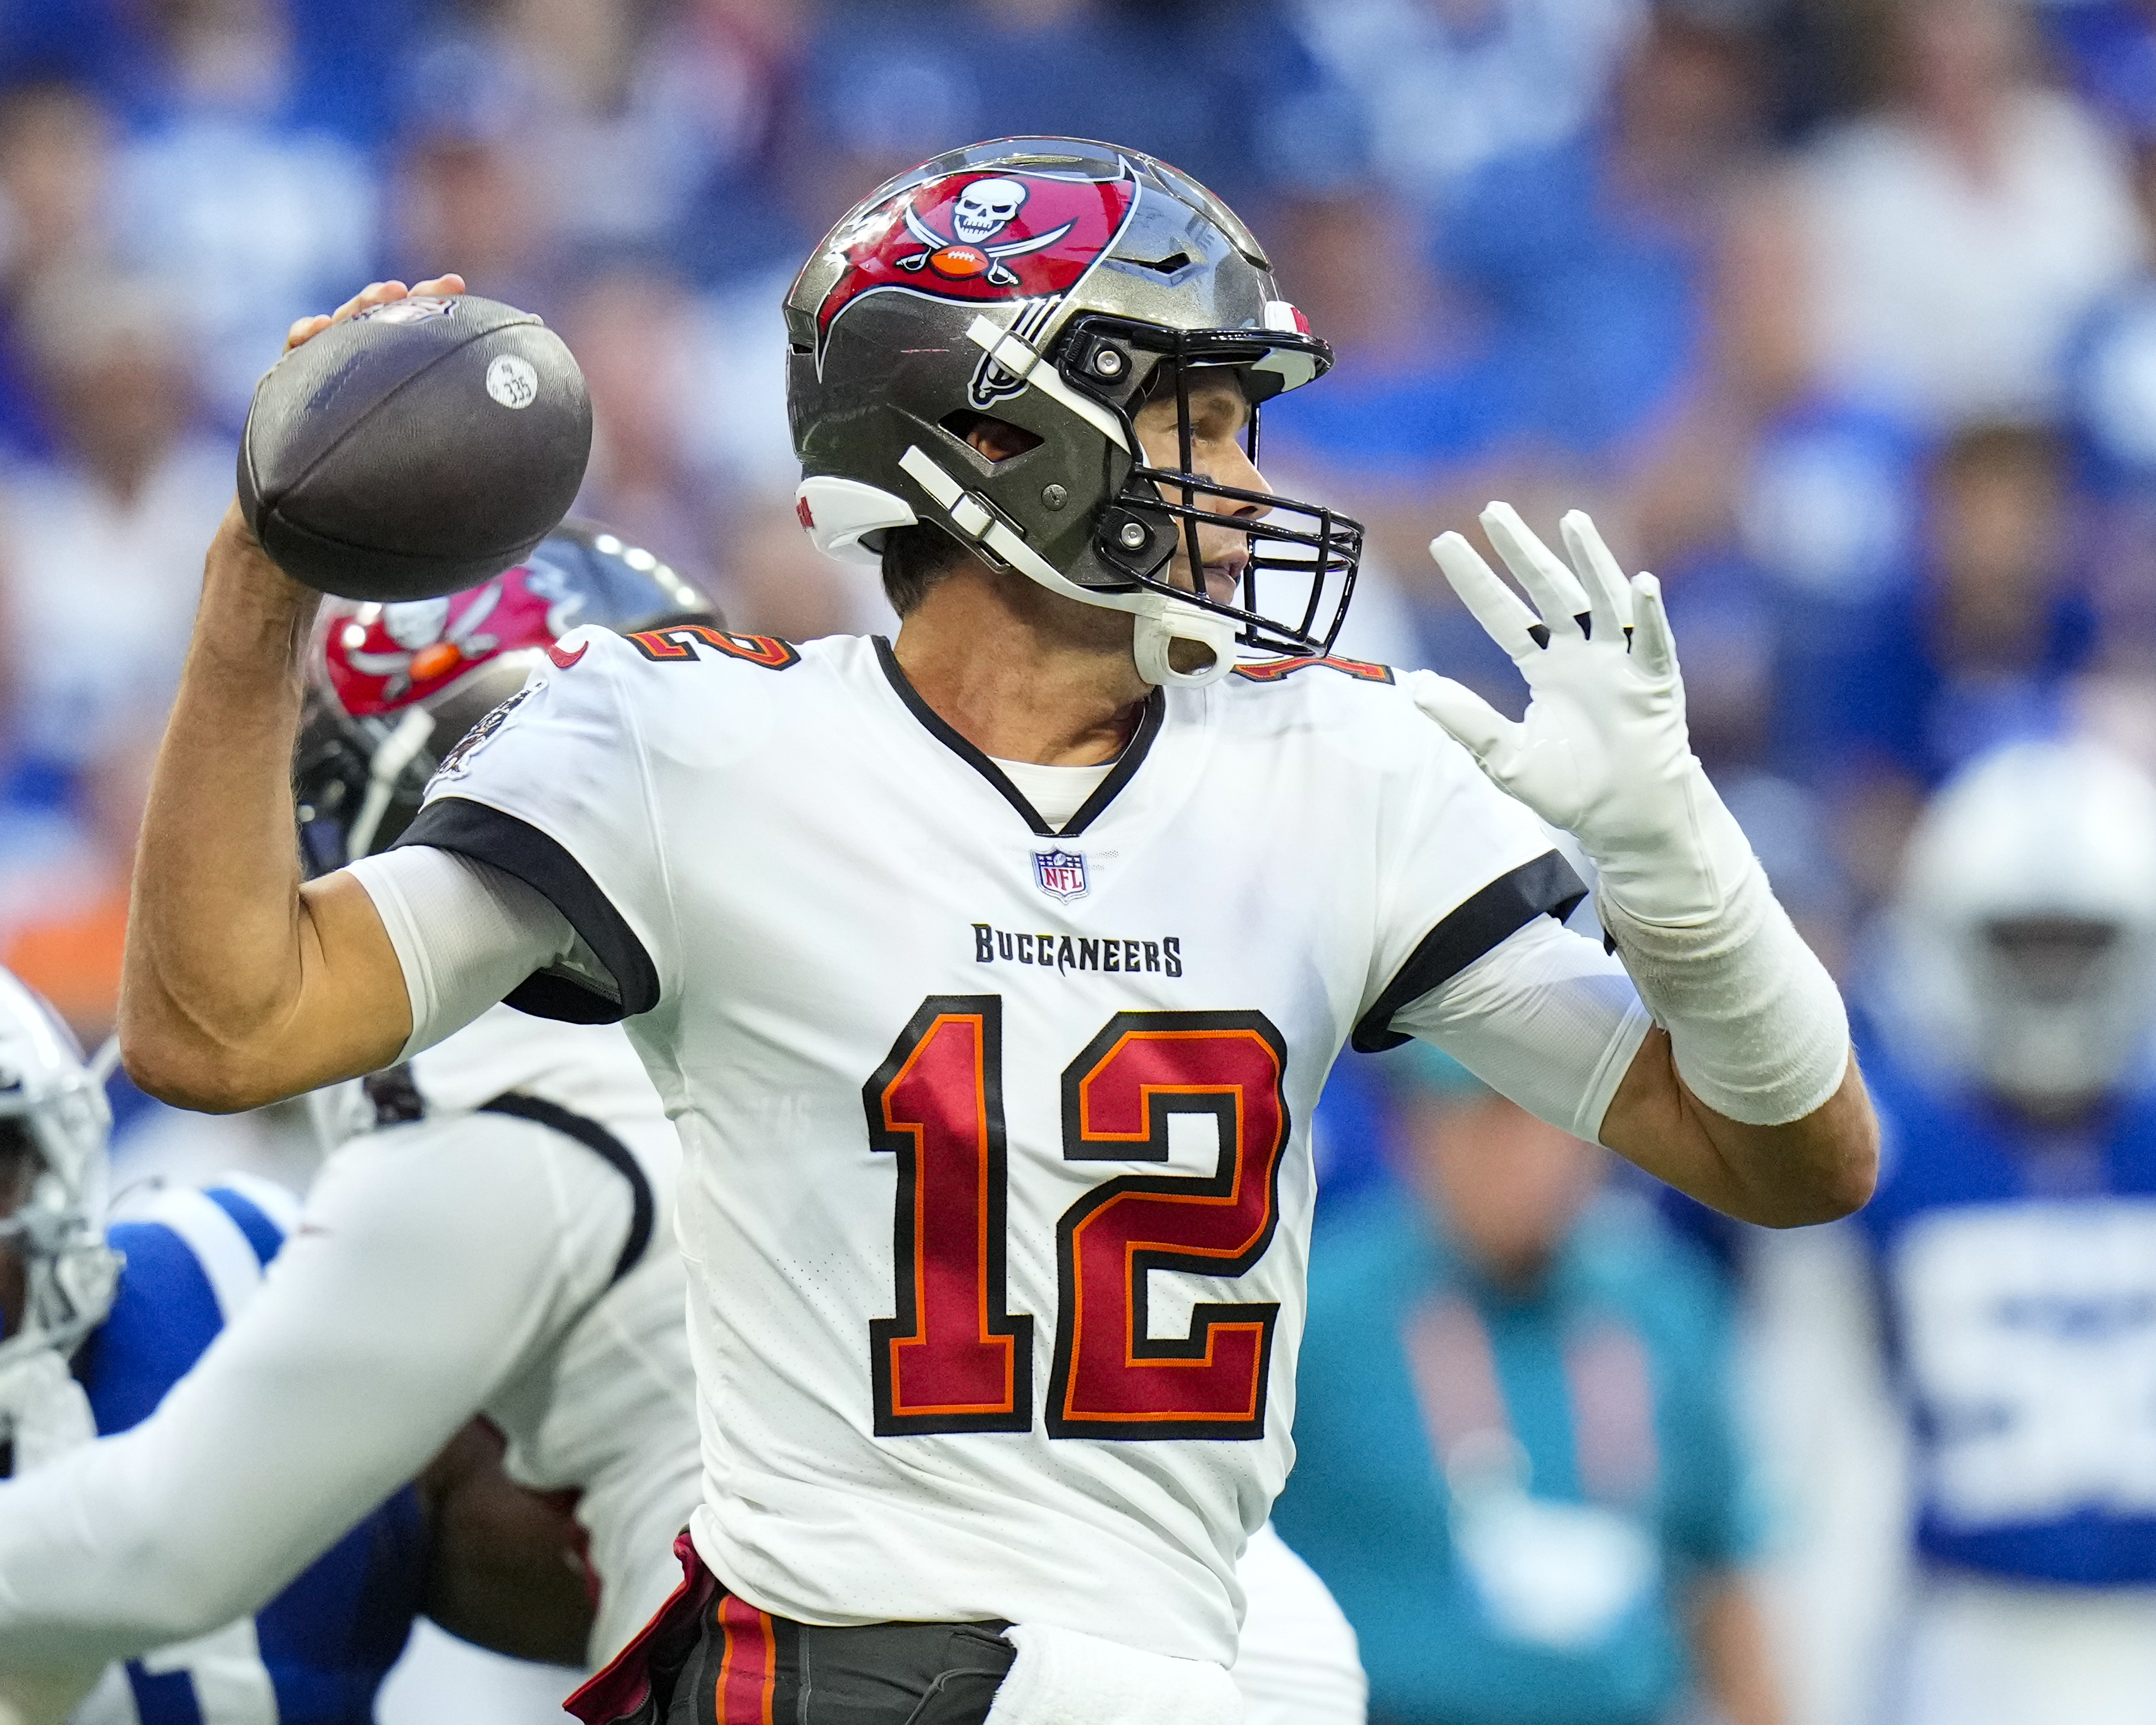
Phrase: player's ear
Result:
[997,439]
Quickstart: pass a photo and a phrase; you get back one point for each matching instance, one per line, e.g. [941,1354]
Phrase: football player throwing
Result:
[991,974]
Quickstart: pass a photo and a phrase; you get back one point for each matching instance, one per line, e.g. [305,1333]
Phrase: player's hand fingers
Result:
[1608,594]
[1502,614]
[1471,721]
[443,286]
[1653,646]
[1554,589]
[375,293]
[306,329]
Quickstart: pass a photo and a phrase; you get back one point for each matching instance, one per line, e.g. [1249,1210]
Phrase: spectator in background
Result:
[111,530]
[1590,254]
[463,183]
[645,346]
[1934,256]
[1516,1467]
[219,186]
[891,82]
[55,149]
[1981,654]
[568,130]
[1450,87]
[2006,1025]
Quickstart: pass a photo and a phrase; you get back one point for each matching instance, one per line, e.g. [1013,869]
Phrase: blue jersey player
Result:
[2014,1236]
[98,1325]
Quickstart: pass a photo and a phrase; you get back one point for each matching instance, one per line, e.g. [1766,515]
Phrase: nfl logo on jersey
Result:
[1059,874]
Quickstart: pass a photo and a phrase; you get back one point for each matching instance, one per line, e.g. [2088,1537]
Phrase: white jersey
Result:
[519,1263]
[996,1183]
[599,1398]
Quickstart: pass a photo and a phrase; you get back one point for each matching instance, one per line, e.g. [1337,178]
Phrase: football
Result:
[416,448]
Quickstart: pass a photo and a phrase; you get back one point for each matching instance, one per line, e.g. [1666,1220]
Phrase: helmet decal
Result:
[981,236]
[385,657]
[1057,283]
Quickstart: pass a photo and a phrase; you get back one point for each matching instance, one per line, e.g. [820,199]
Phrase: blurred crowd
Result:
[1839,315]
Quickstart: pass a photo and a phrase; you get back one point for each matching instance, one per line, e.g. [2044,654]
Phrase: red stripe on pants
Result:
[748,1669]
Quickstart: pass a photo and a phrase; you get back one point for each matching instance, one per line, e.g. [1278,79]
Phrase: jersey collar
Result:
[1120,774]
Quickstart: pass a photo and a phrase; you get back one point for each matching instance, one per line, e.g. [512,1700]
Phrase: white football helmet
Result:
[2020,952]
[50,1098]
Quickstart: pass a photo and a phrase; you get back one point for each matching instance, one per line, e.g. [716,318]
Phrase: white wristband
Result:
[1756,1025]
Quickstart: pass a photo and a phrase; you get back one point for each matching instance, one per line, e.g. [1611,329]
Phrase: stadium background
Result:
[1838,313]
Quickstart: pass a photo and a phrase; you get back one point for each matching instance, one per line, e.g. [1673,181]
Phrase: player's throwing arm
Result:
[242,986]
[1747,1094]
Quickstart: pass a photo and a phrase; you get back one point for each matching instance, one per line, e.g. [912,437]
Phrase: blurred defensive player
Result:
[97,1326]
[496,1239]
[2015,1235]
[991,976]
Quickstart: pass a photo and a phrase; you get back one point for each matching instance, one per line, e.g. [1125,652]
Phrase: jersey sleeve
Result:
[429,1263]
[1546,1017]
[1462,866]
[552,789]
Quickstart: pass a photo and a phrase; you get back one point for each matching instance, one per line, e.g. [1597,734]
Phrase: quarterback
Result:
[990,975]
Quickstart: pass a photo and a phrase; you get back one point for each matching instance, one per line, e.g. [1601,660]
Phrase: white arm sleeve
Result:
[1546,1017]
[429,1261]
[466,933]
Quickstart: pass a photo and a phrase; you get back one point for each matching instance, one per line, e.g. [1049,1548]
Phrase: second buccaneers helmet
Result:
[393,688]
[1058,284]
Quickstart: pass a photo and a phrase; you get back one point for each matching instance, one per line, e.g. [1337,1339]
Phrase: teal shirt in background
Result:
[1478,1602]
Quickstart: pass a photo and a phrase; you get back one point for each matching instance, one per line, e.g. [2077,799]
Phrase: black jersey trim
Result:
[1127,763]
[607,1147]
[517,848]
[1546,886]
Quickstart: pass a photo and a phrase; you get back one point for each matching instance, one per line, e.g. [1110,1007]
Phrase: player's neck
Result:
[1023,674]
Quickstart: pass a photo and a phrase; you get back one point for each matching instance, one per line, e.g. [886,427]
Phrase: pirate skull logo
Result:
[985,209]
[433,646]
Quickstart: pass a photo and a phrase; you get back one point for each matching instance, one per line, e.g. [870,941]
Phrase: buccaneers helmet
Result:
[2020,954]
[1057,285]
[53,1106]
[393,688]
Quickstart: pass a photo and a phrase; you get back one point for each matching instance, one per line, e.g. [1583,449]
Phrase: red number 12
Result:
[955,1359]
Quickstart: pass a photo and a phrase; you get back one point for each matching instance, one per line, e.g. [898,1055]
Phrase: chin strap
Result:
[1153,640]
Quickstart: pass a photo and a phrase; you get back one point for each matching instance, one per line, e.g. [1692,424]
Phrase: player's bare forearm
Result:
[240,986]
[1813,1169]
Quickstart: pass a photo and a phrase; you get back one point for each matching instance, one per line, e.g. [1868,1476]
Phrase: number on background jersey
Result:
[954,1359]
[2030,1331]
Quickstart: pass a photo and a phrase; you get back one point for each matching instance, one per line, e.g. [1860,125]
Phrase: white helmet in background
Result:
[52,1104]
[2021,948]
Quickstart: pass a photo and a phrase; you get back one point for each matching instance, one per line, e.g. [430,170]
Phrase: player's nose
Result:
[1235,469]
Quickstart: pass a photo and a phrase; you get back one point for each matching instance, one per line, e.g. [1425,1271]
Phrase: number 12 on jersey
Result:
[956,1358]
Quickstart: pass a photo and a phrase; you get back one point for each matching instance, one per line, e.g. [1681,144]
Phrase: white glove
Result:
[1603,751]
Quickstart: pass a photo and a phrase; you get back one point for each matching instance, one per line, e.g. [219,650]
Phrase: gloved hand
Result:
[1603,751]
